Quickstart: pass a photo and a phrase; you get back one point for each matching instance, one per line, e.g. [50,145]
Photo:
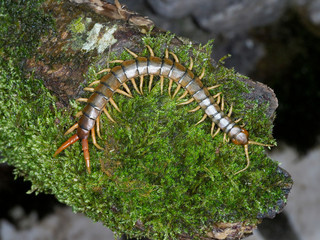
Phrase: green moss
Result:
[77,26]
[158,167]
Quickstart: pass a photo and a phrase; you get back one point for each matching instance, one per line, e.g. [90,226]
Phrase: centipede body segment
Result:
[152,66]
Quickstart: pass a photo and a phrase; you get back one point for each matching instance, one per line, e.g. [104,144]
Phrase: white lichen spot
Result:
[93,37]
[99,41]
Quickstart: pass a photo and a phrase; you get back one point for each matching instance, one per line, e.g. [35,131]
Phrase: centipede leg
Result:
[248,159]
[104,70]
[222,104]
[78,114]
[141,84]
[170,86]
[135,85]
[125,86]
[75,126]
[116,61]
[213,87]
[187,102]
[82,99]
[66,144]
[85,149]
[230,110]
[124,93]
[108,115]
[191,64]
[195,109]
[94,83]
[212,128]
[150,82]
[150,51]
[131,53]
[202,73]
[161,84]
[88,89]
[176,59]
[114,104]
[215,134]
[183,95]
[202,119]
[176,91]
[94,140]
[98,126]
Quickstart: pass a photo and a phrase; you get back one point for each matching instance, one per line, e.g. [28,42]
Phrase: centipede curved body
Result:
[162,67]
[153,66]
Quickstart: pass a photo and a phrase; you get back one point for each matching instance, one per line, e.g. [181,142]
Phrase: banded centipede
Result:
[164,68]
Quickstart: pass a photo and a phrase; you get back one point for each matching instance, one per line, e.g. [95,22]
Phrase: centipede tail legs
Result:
[66,144]
[85,149]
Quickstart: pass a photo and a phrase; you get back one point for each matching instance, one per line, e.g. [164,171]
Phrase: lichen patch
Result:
[96,41]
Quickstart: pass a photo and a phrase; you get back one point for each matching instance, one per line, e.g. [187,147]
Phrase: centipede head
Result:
[243,139]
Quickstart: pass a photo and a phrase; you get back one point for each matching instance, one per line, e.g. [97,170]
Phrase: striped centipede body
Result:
[165,67]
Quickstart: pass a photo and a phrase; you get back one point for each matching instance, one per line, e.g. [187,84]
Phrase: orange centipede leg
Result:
[66,144]
[85,149]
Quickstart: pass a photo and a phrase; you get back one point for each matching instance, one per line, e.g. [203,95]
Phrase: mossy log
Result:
[160,176]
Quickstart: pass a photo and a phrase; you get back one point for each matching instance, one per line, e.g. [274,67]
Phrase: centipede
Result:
[168,67]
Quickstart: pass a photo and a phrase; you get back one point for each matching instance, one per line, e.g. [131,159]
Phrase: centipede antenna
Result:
[248,159]
[150,82]
[174,56]
[150,50]
[195,109]
[215,134]
[104,70]
[82,99]
[259,144]
[170,86]
[141,84]
[114,104]
[124,93]
[191,64]
[161,84]
[85,149]
[75,126]
[98,126]
[66,144]
[108,114]
[94,140]
[183,95]
[213,87]
[202,73]
[93,83]
[131,53]
[88,89]
[187,102]
[125,86]
[202,119]
[135,85]
[176,91]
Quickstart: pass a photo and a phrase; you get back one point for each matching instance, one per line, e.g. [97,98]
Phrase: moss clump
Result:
[160,172]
